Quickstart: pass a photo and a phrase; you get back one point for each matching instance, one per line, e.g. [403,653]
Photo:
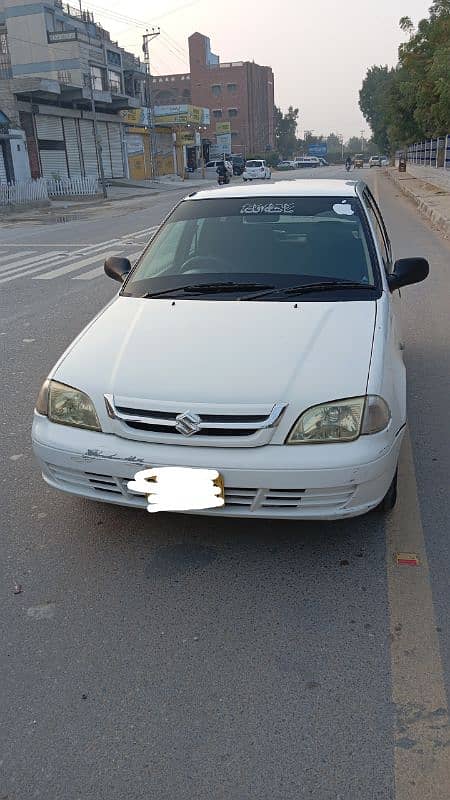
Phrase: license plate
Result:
[179,488]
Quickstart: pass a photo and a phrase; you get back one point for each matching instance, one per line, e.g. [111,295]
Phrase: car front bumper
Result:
[325,482]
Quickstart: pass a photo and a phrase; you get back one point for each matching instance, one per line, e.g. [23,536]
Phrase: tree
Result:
[412,101]
[286,130]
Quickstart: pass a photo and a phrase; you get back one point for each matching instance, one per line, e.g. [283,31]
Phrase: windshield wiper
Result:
[304,288]
[211,288]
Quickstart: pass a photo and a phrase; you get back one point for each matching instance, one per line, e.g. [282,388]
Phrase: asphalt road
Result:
[179,657]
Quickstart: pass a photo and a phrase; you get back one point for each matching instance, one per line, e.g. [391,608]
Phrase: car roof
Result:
[296,188]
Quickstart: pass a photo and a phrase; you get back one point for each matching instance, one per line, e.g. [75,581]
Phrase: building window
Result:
[232,112]
[217,113]
[234,134]
[98,79]
[113,58]
[115,81]
[216,89]
[232,87]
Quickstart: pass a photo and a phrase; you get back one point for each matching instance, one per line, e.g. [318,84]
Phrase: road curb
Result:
[425,207]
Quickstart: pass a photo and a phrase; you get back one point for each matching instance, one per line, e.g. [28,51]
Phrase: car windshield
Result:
[277,241]
[254,163]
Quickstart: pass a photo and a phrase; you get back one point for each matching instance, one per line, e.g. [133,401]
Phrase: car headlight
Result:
[67,406]
[341,421]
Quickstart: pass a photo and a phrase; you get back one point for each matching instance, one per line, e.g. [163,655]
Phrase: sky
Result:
[319,50]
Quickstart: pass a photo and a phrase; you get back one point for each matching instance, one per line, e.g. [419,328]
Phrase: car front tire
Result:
[390,498]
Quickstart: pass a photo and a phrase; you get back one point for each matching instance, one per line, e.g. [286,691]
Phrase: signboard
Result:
[135,116]
[317,149]
[186,138]
[179,115]
[224,142]
[223,127]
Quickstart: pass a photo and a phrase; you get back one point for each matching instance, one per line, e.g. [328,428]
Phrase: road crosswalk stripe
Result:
[22,265]
[56,273]
[11,255]
[95,273]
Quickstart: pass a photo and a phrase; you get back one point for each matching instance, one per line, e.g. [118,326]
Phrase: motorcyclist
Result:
[348,163]
[222,171]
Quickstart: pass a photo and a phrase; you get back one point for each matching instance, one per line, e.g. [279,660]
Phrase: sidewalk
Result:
[123,196]
[430,190]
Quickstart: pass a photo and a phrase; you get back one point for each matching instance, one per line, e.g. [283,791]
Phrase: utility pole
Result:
[362,141]
[89,79]
[341,139]
[146,38]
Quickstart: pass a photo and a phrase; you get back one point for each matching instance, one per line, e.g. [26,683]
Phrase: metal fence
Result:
[78,186]
[34,191]
[430,152]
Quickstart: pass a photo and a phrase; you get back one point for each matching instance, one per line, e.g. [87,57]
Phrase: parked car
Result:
[284,165]
[384,161]
[306,161]
[203,362]
[256,168]
[358,161]
[211,168]
[238,163]
[375,161]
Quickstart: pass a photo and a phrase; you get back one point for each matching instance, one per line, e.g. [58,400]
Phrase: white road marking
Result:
[95,273]
[10,255]
[56,273]
[17,266]
[24,272]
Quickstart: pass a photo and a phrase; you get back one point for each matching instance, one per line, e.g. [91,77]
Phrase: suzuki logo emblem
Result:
[188,423]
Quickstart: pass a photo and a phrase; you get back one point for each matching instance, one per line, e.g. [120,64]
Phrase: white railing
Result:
[62,187]
[34,191]
[12,194]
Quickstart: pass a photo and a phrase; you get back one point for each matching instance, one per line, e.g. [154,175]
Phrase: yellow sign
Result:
[223,127]
[186,138]
[133,115]
[196,114]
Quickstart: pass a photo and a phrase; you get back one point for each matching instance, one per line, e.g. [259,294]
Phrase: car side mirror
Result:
[407,271]
[117,268]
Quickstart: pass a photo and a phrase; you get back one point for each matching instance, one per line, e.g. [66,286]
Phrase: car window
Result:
[380,230]
[254,164]
[323,237]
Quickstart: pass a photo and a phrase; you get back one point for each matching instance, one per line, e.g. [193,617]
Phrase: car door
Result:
[385,248]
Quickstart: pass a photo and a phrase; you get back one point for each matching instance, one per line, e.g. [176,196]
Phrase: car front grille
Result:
[237,499]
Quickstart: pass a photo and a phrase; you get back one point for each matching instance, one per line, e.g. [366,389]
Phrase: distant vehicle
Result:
[375,161]
[256,168]
[211,167]
[238,163]
[286,165]
[323,162]
[384,161]
[306,161]
[359,161]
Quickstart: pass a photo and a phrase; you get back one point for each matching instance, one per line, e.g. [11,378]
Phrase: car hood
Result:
[225,352]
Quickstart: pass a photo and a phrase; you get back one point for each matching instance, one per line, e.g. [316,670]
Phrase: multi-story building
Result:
[240,93]
[54,60]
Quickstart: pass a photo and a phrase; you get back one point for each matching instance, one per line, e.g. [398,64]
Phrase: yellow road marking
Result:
[422,736]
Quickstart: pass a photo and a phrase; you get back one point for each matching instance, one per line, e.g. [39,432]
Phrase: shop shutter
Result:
[115,146]
[3,178]
[54,164]
[106,156]
[88,147]
[72,147]
[49,128]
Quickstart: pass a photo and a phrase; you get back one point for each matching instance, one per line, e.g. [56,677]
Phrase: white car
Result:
[255,344]
[256,169]
[211,168]
[307,161]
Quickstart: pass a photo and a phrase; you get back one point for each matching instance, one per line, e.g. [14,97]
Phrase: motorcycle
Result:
[223,179]
[348,167]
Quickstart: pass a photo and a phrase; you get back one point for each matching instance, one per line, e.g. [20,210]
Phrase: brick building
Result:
[239,92]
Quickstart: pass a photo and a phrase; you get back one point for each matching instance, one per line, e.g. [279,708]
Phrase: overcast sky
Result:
[318,50]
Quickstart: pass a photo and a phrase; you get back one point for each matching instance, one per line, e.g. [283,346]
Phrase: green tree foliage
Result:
[285,131]
[412,101]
